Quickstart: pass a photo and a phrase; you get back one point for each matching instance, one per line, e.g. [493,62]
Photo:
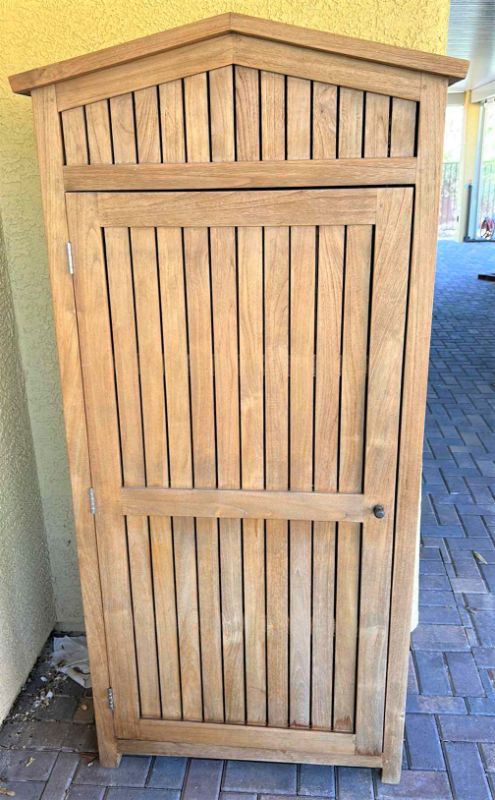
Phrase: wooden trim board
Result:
[206,29]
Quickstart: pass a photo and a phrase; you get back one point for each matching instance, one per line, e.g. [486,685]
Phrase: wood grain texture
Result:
[202,31]
[265,174]
[430,144]
[50,157]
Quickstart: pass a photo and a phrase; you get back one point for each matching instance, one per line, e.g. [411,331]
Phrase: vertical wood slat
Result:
[196,118]
[147,125]
[196,250]
[148,322]
[302,299]
[224,296]
[221,83]
[272,116]
[376,131]
[172,122]
[403,133]
[75,141]
[276,299]
[123,132]
[324,120]
[99,135]
[247,113]
[174,322]
[131,427]
[350,123]
[326,435]
[352,420]
[250,288]
[388,313]
[103,437]
[298,118]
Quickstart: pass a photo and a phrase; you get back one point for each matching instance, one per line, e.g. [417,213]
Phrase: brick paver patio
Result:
[48,752]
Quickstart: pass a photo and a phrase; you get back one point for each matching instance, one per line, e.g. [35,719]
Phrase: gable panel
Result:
[238,113]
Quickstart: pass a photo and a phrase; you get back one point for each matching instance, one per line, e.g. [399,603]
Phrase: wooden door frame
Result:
[430,142]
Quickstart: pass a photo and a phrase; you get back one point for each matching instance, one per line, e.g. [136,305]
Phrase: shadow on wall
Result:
[27,610]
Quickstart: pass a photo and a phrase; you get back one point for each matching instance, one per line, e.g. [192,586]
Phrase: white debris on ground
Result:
[70,657]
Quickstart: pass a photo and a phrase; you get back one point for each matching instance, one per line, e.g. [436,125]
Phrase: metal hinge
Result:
[70,259]
[92,500]
[110,700]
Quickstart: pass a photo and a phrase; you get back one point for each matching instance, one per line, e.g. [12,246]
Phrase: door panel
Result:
[242,358]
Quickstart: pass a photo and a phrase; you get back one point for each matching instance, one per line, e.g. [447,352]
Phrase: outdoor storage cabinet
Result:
[241,220]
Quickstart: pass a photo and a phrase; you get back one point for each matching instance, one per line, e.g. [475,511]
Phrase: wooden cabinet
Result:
[241,220]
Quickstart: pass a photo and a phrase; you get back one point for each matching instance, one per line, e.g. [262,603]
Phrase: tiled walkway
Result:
[450,733]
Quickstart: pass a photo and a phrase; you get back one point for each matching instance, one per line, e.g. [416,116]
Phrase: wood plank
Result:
[50,158]
[376,130]
[148,322]
[276,294]
[272,116]
[180,454]
[430,144]
[403,132]
[362,172]
[75,142]
[247,113]
[294,207]
[302,328]
[147,125]
[127,371]
[104,446]
[250,292]
[327,389]
[324,121]
[352,430]
[224,298]
[123,132]
[172,122]
[295,756]
[350,123]
[255,736]
[298,118]
[149,71]
[203,30]
[339,70]
[221,82]
[196,118]
[388,313]
[247,504]
[198,289]
[99,134]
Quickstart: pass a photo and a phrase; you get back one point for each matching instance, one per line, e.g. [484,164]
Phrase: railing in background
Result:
[449,201]
[487,192]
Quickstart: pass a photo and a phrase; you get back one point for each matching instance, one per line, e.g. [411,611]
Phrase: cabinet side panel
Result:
[430,142]
[50,155]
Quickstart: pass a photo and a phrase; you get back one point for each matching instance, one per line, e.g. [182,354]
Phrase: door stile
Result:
[386,354]
[104,447]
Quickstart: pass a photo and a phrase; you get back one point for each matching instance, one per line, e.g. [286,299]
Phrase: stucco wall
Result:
[42,31]
[27,611]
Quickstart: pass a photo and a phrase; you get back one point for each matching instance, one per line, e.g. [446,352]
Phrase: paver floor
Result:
[48,751]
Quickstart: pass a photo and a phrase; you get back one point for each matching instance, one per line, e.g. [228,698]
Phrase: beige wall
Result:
[27,612]
[43,31]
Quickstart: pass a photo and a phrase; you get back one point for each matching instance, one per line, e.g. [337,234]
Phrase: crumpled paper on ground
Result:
[70,656]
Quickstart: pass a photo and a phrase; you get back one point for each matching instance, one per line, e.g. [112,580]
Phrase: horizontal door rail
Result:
[240,174]
[240,504]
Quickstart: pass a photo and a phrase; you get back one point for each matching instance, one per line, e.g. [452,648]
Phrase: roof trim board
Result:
[453,68]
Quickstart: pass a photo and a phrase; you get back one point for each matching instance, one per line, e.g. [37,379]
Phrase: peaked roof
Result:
[453,68]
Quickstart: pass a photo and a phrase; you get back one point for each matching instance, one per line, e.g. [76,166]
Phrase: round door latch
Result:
[379,511]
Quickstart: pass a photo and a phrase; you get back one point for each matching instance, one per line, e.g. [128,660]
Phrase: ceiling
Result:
[472,36]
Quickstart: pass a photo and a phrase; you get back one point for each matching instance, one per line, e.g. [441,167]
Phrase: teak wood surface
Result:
[243,350]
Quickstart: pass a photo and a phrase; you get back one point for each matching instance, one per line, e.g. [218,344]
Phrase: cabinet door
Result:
[242,358]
